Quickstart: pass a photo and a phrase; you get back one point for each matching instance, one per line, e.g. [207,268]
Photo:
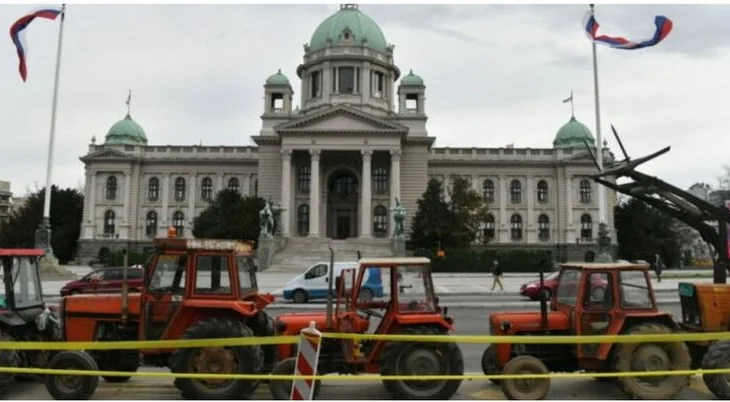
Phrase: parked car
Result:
[532,289]
[105,280]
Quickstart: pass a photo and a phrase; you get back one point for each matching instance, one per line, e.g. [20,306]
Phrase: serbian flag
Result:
[663,27]
[17,34]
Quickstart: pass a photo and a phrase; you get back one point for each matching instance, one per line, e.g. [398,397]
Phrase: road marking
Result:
[492,393]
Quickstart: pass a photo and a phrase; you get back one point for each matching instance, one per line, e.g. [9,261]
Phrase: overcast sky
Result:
[494,75]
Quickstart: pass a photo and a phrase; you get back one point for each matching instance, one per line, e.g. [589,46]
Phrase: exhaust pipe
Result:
[543,303]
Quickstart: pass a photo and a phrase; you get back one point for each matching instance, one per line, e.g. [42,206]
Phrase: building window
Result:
[585,191]
[111,188]
[380,177]
[178,222]
[515,192]
[542,191]
[380,221]
[234,184]
[109,218]
[516,227]
[303,219]
[489,227]
[304,178]
[345,185]
[153,189]
[151,223]
[180,189]
[315,85]
[586,227]
[256,186]
[488,191]
[543,227]
[346,80]
[377,84]
[206,189]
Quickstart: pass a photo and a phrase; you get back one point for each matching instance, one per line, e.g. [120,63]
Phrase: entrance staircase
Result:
[302,252]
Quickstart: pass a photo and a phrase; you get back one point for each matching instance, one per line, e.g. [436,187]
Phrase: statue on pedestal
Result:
[266,221]
[399,215]
[604,244]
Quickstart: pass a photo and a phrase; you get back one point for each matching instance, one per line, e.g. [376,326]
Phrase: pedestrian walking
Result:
[497,274]
[658,266]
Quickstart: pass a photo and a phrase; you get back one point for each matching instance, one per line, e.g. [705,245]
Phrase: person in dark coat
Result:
[658,267]
[497,274]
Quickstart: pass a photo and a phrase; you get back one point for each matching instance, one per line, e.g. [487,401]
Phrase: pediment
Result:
[106,154]
[340,119]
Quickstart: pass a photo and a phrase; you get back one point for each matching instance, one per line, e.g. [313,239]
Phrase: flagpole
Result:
[43,237]
[599,138]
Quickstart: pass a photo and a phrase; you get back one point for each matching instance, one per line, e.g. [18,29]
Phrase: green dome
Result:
[572,134]
[277,79]
[411,79]
[126,132]
[362,28]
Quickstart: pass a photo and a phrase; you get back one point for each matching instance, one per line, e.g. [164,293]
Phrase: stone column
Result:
[569,229]
[314,193]
[285,191]
[394,186]
[193,197]
[366,221]
[91,213]
[220,185]
[531,238]
[165,218]
[127,223]
[503,222]
[246,185]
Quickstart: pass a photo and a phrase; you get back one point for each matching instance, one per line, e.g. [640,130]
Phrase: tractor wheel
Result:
[72,387]
[527,388]
[717,357]
[117,360]
[489,363]
[652,357]
[263,325]
[420,358]
[218,360]
[8,358]
[281,389]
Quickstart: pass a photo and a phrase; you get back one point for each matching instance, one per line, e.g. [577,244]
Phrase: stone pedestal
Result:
[265,253]
[399,247]
[604,245]
[51,270]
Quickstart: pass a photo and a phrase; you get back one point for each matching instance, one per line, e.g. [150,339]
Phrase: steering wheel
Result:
[369,312]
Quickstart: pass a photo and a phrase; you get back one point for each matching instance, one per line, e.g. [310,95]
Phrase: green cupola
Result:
[126,132]
[348,25]
[572,135]
[412,80]
[278,79]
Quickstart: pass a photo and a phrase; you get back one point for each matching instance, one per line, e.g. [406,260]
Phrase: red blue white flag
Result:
[663,27]
[17,34]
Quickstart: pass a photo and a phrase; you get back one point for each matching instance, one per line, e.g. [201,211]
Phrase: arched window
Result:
[542,191]
[153,189]
[303,219]
[206,189]
[585,191]
[586,227]
[151,228]
[304,178]
[543,227]
[380,178]
[515,192]
[109,217]
[234,184]
[380,221]
[180,189]
[488,191]
[489,227]
[178,222]
[516,227]
[111,188]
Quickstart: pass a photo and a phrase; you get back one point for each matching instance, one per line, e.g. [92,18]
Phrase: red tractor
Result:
[193,289]
[591,299]
[408,307]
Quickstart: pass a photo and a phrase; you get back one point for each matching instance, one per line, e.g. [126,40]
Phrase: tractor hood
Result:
[108,305]
[527,321]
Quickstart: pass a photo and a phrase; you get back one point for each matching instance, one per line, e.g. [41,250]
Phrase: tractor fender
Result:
[11,319]
[434,320]
[664,319]
[244,308]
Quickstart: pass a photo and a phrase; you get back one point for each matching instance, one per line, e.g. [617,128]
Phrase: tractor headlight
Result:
[697,320]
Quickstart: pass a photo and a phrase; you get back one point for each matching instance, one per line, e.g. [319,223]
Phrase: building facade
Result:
[6,197]
[337,163]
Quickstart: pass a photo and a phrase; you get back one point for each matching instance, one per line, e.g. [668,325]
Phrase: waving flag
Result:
[17,34]
[663,27]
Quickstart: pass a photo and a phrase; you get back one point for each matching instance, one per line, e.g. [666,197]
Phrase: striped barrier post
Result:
[307,358]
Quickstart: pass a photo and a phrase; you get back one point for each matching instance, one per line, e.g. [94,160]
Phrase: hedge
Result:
[481,260]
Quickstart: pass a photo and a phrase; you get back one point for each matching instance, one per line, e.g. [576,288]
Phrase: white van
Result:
[313,283]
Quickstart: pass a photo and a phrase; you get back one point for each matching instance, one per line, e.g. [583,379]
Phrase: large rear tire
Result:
[528,388]
[421,358]
[8,358]
[281,389]
[218,360]
[72,387]
[490,365]
[658,356]
[717,357]
[263,325]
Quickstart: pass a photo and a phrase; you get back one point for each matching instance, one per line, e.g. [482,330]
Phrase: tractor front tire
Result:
[658,356]
[424,359]
[72,387]
[8,358]
[527,388]
[224,360]
[281,389]
[263,325]
[717,357]
[490,365]
[117,360]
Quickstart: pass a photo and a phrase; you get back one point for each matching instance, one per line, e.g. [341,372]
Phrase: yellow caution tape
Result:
[176,344]
[338,377]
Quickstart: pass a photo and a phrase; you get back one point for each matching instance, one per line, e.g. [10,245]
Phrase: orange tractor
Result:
[409,307]
[591,299]
[194,289]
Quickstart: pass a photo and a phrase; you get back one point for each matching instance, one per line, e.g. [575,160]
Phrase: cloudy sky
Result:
[495,74]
